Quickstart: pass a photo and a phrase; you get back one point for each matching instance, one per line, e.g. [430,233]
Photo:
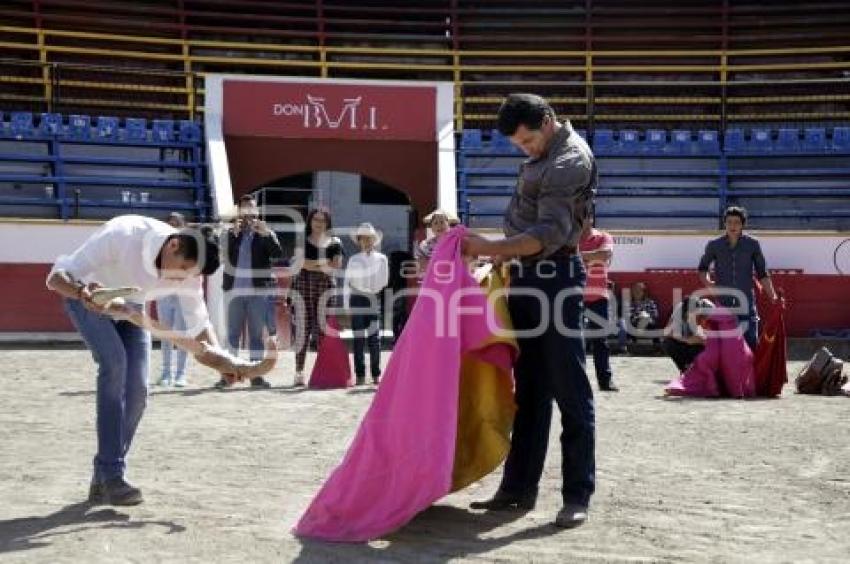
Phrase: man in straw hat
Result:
[366,276]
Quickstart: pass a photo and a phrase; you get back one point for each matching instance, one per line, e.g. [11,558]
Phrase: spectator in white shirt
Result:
[155,259]
[366,276]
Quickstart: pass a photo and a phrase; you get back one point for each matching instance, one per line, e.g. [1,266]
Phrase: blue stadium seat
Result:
[708,141]
[189,131]
[656,141]
[734,140]
[499,141]
[629,141]
[841,139]
[136,129]
[603,141]
[162,130]
[681,142]
[51,124]
[107,127]
[21,124]
[79,127]
[470,139]
[788,140]
[814,139]
[760,140]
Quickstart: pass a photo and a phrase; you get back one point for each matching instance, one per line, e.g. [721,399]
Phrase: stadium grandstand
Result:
[689,106]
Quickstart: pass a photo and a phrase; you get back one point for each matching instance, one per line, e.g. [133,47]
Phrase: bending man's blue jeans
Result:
[551,366]
[122,354]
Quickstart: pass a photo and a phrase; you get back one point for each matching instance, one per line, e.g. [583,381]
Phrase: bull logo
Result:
[314,114]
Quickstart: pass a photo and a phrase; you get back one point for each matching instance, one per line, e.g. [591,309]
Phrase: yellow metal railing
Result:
[470,70]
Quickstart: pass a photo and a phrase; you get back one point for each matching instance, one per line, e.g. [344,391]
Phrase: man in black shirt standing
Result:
[542,226]
[735,257]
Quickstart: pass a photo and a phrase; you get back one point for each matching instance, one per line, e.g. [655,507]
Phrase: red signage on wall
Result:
[329,111]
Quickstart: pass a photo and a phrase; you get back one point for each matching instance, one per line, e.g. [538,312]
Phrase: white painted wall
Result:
[343,192]
[34,242]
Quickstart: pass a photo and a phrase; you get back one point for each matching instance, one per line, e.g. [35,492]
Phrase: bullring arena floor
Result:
[226,474]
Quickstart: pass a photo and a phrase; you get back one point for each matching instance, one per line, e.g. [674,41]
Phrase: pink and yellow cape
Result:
[442,416]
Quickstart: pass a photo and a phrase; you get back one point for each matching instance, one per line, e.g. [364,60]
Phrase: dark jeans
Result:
[599,345]
[250,310]
[683,354]
[366,331]
[551,366]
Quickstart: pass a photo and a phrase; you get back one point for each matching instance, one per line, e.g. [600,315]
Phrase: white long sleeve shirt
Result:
[367,273]
[123,252]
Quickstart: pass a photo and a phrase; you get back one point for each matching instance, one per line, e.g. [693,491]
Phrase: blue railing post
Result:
[59,174]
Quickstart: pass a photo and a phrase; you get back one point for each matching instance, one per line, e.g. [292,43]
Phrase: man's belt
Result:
[564,252]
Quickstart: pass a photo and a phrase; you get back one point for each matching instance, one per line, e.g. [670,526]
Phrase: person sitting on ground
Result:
[684,336]
[724,368]
[643,310]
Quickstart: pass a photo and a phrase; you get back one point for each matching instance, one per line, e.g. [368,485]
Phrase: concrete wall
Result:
[341,192]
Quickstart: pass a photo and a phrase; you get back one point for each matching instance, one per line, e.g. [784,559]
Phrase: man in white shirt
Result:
[156,259]
[366,276]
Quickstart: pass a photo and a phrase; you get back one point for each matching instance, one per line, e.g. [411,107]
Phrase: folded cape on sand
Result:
[441,417]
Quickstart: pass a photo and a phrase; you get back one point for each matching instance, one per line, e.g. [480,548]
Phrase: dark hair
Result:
[737,211]
[199,246]
[247,198]
[309,221]
[522,109]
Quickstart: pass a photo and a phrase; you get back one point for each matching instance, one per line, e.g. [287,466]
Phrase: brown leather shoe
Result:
[503,500]
[116,491]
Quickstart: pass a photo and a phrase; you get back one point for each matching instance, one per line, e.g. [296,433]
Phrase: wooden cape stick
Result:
[231,367]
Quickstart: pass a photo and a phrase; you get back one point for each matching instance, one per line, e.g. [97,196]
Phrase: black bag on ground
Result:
[821,375]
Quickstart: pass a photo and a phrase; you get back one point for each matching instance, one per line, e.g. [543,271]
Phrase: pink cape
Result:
[402,457]
[723,369]
[332,369]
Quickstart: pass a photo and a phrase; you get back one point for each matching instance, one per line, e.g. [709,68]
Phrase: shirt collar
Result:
[559,137]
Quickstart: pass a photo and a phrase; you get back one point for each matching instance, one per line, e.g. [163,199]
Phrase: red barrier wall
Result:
[814,301]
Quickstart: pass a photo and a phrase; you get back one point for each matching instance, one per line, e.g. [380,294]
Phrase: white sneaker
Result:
[180,382]
[164,381]
[299,379]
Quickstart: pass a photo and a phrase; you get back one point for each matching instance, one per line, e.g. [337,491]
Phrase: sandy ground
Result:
[225,475]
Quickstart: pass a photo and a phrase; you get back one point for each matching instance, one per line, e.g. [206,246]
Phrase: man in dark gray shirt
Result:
[543,224]
[735,256]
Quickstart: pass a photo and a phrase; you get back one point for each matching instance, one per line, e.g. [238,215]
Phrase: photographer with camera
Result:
[249,248]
